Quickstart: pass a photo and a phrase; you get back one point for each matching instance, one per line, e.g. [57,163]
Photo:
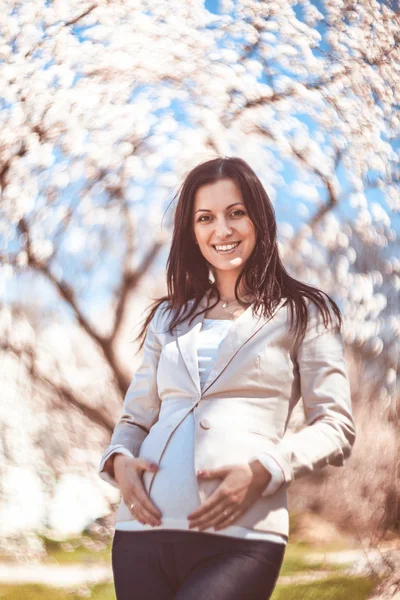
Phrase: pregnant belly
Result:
[174,488]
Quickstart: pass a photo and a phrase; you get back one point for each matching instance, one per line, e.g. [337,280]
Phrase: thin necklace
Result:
[226,302]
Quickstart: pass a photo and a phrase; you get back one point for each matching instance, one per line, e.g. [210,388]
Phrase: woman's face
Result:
[220,218]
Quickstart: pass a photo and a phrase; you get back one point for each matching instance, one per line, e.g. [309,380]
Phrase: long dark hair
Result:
[265,277]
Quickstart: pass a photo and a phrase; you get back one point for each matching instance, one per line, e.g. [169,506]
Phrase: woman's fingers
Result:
[218,519]
[144,508]
[207,519]
[226,520]
[142,495]
[150,512]
[140,513]
[135,510]
[134,492]
[214,501]
[142,516]
[145,502]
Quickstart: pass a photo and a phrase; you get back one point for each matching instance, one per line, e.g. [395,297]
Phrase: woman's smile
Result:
[219,249]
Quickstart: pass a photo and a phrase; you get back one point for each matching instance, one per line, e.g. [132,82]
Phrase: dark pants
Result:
[193,565]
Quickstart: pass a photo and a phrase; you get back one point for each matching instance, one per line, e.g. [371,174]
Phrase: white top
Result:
[174,490]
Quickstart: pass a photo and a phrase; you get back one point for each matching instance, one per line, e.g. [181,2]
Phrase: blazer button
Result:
[205,424]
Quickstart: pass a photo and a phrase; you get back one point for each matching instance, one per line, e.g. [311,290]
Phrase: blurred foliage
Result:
[42,592]
[79,549]
[339,588]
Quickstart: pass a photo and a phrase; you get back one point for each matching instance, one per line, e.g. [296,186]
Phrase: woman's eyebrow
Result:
[208,210]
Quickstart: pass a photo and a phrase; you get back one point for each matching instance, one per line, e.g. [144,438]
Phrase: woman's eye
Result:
[234,212]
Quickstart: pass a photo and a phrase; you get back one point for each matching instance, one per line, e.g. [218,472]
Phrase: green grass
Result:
[78,552]
[294,566]
[338,588]
[294,558]
[295,562]
[103,591]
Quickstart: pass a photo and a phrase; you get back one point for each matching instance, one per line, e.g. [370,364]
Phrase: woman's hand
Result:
[241,486]
[128,474]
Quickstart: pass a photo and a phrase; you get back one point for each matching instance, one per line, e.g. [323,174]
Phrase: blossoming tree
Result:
[104,108]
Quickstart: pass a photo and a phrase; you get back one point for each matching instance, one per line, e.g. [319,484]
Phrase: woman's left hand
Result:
[241,486]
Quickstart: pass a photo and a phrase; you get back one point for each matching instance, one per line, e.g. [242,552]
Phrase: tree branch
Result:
[67,293]
[129,282]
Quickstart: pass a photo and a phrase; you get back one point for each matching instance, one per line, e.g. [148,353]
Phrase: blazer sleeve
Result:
[325,390]
[140,408]
[277,478]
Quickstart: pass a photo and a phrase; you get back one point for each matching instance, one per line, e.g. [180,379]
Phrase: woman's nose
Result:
[222,229]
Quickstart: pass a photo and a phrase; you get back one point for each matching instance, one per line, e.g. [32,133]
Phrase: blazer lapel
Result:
[241,330]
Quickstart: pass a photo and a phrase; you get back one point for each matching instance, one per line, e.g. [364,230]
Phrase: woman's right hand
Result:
[128,474]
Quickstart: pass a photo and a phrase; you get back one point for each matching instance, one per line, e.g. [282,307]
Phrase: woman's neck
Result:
[230,297]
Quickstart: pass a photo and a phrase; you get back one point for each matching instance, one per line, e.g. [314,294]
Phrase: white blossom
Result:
[102,119]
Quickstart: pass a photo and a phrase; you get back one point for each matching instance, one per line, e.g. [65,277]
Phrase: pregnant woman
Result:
[199,451]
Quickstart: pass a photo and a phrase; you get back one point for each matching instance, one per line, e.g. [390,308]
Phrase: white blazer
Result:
[244,408]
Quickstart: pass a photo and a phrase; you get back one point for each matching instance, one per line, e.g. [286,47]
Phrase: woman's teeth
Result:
[227,249]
